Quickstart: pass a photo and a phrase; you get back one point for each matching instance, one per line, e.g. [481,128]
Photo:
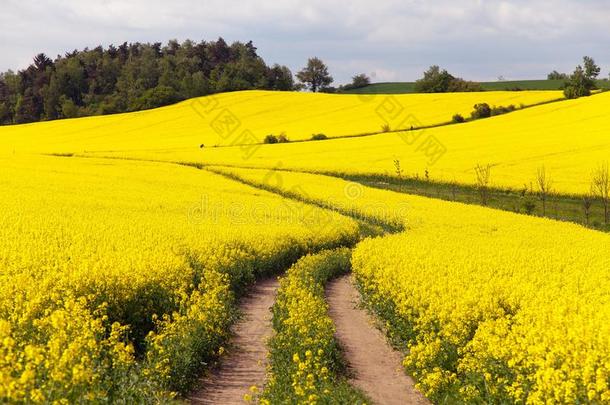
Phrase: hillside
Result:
[127,256]
[569,138]
[247,117]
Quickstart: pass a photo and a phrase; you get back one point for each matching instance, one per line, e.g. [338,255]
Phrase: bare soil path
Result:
[375,367]
[245,364]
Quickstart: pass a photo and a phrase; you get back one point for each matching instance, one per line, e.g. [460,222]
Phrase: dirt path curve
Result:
[245,365]
[376,368]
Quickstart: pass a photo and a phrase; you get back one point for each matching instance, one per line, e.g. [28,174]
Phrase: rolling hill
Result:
[247,117]
[569,138]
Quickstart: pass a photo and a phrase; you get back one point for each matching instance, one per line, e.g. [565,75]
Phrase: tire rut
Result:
[374,366]
[245,364]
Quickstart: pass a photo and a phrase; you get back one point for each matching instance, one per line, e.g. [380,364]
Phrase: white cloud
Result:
[395,38]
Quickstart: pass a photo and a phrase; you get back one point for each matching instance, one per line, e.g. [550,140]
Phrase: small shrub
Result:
[481,110]
[271,139]
[385,128]
[503,110]
[457,118]
[282,138]
[318,137]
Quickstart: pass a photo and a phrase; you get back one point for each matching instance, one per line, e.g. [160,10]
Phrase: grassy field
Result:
[507,85]
[559,207]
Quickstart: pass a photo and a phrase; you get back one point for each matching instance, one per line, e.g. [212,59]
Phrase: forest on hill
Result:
[132,77]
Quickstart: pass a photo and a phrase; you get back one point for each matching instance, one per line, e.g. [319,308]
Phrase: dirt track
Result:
[375,367]
[245,364]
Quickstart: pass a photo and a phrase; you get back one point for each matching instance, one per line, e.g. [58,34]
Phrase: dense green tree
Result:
[10,91]
[555,75]
[360,80]
[26,109]
[460,85]
[70,79]
[68,108]
[591,69]
[5,107]
[315,75]
[481,110]
[194,85]
[582,81]
[579,84]
[436,80]
[280,78]
[157,97]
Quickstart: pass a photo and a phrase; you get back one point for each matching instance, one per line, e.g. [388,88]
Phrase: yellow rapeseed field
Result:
[246,117]
[569,138]
[103,260]
[122,253]
[492,306]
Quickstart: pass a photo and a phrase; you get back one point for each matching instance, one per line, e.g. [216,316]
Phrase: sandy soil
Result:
[245,364]
[375,367]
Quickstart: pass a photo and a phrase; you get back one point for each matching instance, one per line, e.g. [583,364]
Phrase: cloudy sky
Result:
[390,40]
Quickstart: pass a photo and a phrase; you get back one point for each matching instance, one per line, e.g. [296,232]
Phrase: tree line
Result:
[138,76]
[133,77]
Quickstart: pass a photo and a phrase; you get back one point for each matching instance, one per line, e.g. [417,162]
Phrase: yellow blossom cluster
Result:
[495,307]
[569,138]
[305,363]
[246,117]
[104,262]
[490,306]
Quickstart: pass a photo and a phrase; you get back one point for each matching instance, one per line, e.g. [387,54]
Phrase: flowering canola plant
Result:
[490,306]
[568,138]
[118,279]
[305,358]
[246,117]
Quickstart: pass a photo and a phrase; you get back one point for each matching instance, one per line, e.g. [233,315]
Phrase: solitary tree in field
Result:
[483,177]
[360,80]
[600,185]
[591,69]
[315,75]
[544,186]
[582,81]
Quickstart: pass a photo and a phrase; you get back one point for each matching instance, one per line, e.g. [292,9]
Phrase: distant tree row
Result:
[434,80]
[132,77]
